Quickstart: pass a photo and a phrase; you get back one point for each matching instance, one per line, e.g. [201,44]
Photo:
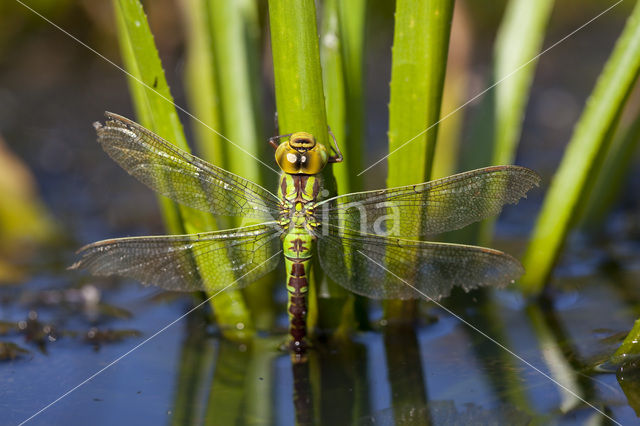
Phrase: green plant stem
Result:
[419,58]
[609,185]
[234,85]
[519,39]
[333,73]
[583,157]
[455,93]
[352,16]
[169,209]
[154,104]
[301,107]
[200,81]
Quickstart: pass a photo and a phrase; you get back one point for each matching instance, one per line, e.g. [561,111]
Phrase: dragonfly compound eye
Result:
[314,160]
[301,155]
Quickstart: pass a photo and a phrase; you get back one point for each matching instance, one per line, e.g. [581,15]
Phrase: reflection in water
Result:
[405,374]
[221,382]
[196,363]
[440,373]
[225,383]
[340,370]
[227,393]
[447,413]
[302,399]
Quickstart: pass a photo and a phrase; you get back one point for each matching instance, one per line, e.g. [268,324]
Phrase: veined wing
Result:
[236,256]
[181,176]
[430,208]
[393,268]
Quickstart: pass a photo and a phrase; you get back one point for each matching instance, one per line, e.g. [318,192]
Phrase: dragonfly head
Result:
[301,154]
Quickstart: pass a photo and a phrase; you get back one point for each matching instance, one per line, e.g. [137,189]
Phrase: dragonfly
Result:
[365,241]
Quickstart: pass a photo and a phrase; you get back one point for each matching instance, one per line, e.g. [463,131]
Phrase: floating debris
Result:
[10,351]
[99,337]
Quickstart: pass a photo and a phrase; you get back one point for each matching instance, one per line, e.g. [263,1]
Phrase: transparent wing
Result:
[430,208]
[388,268]
[236,256]
[181,176]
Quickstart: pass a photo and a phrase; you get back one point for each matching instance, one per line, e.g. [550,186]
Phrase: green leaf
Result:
[200,82]
[419,60]
[497,127]
[342,55]
[584,157]
[333,73]
[455,93]
[230,21]
[519,41]
[611,179]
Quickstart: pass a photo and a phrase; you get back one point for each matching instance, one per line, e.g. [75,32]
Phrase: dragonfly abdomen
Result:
[298,250]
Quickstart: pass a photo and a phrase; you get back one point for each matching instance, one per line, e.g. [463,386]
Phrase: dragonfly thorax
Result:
[298,194]
[301,154]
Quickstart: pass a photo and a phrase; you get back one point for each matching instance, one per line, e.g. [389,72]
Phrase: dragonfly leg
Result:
[338,157]
[274,140]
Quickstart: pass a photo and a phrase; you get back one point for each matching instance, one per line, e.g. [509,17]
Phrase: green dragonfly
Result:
[361,238]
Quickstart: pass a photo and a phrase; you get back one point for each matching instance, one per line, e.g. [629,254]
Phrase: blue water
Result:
[464,376]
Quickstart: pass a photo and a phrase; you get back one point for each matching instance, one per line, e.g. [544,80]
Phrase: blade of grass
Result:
[200,81]
[233,74]
[301,107]
[497,126]
[615,169]
[159,114]
[333,73]
[584,157]
[454,94]
[236,58]
[519,39]
[352,21]
[419,59]
[168,208]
